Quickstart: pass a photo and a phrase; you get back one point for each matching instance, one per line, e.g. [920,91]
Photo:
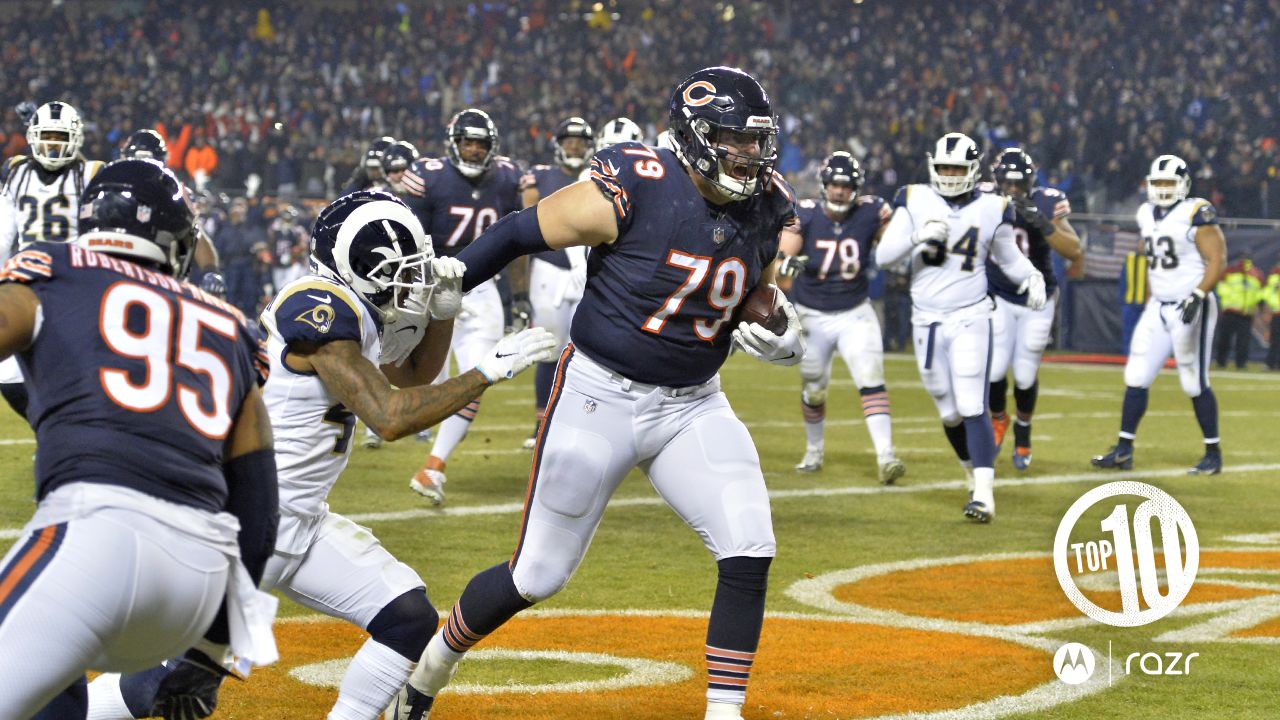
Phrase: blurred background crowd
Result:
[293,91]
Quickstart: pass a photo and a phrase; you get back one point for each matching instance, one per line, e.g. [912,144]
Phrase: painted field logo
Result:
[1073,663]
[1124,548]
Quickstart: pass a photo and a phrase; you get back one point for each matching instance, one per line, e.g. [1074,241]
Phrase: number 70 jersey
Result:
[312,429]
[950,275]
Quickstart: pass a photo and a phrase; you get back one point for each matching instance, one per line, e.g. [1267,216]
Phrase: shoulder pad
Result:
[316,311]
[900,198]
[1203,213]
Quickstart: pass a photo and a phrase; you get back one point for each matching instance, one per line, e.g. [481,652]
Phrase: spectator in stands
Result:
[201,160]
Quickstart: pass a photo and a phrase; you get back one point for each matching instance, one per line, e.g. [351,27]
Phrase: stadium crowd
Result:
[292,91]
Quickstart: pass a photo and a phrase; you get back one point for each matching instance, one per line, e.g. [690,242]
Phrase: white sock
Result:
[813,432]
[984,484]
[723,711]
[451,432]
[105,700]
[425,678]
[879,427]
[375,677]
[967,466]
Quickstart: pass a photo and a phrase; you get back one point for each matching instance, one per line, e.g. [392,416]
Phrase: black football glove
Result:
[190,691]
[791,265]
[521,313]
[1032,216]
[1190,306]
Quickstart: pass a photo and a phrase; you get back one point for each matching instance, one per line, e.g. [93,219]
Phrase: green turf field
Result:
[970,634]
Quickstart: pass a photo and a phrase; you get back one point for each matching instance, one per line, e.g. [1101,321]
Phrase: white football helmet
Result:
[956,149]
[618,130]
[1168,167]
[48,149]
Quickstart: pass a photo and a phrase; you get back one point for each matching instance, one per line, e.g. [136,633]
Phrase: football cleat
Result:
[429,480]
[891,470]
[409,704]
[426,435]
[532,441]
[977,511]
[1115,459]
[1210,464]
[371,439]
[1021,458]
[999,426]
[812,460]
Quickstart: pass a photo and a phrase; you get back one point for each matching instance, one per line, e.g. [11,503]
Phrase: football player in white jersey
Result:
[948,230]
[40,201]
[1186,255]
[376,310]
[617,130]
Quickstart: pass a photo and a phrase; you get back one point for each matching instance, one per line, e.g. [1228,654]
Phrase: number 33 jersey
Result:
[135,378]
[1169,239]
[660,299]
[312,429]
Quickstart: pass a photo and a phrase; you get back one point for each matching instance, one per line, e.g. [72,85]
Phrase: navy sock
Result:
[1206,406]
[1025,400]
[488,601]
[956,436]
[1135,406]
[544,376]
[981,440]
[738,609]
[997,395]
[139,689]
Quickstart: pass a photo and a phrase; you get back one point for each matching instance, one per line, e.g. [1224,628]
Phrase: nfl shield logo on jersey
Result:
[717,235]
[589,406]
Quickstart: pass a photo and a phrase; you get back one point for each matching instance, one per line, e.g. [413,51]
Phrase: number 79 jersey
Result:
[951,275]
[312,429]
[660,299]
[1175,266]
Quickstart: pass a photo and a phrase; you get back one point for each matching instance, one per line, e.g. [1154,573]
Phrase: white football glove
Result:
[516,352]
[932,231]
[446,301]
[792,265]
[1033,286]
[400,338]
[761,344]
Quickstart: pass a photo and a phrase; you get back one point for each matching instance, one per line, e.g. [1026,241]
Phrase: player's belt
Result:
[628,385]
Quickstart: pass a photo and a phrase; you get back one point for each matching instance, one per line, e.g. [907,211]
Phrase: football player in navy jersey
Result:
[456,198]
[828,255]
[1020,334]
[155,480]
[557,277]
[678,239]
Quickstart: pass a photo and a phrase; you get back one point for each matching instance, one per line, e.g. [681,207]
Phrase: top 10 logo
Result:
[1125,542]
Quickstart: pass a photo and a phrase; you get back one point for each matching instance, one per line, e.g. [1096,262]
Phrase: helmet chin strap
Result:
[838,208]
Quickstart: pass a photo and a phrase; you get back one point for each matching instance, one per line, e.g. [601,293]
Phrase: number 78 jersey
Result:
[1169,239]
[951,275]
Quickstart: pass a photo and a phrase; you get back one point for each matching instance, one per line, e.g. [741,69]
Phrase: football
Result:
[763,306]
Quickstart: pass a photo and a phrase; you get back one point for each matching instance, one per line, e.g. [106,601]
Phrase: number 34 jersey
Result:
[1169,239]
[135,378]
[312,429]
[660,299]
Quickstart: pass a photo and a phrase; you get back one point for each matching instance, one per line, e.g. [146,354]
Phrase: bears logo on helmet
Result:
[136,209]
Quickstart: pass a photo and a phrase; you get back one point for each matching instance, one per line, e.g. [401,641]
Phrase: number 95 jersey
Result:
[660,299]
[312,429]
[1169,239]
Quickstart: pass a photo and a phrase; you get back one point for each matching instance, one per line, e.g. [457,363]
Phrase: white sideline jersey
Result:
[949,277]
[1174,263]
[37,205]
[312,429]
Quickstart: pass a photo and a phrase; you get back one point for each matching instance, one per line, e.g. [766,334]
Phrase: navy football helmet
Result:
[145,144]
[574,127]
[1014,172]
[372,242]
[471,124]
[843,169]
[137,209]
[373,156]
[713,108]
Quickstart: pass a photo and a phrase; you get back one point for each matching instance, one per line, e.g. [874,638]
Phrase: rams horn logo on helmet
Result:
[690,100]
[319,317]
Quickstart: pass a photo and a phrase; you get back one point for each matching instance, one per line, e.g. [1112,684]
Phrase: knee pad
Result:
[406,624]
[538,578]
[814,394]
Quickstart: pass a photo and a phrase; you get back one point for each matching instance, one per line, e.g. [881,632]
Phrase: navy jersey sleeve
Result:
[785,199]
[805,210]
[1052,203]
[312,313]
[1205,214]
[616,175]
[882,209]
[900,197]
[415,178]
